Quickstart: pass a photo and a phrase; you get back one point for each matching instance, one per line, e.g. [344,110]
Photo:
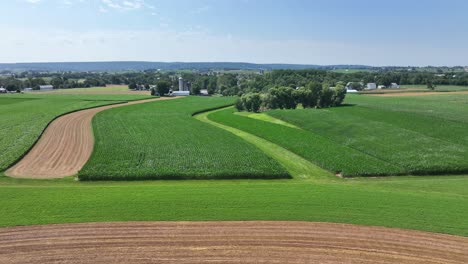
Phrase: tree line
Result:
[313,95]
[229,84]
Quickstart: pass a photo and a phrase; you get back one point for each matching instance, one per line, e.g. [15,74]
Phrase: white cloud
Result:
[33,1]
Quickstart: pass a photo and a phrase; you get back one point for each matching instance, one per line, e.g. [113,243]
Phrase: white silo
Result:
[181,84]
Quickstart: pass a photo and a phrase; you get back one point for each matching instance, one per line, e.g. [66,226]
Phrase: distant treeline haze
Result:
[225,83]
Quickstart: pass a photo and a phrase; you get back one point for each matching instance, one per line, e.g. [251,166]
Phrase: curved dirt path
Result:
[226,242]
[64,147]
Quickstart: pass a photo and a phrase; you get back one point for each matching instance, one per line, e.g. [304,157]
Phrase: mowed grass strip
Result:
[316,148]
[23,119]
[162,140]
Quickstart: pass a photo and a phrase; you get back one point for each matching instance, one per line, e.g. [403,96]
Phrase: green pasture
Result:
[439,88]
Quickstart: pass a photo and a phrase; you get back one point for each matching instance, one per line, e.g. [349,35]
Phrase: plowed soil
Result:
[226,242]
[64,147]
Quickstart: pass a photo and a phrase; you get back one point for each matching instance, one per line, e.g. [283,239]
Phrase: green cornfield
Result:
[372,136]
[161,140]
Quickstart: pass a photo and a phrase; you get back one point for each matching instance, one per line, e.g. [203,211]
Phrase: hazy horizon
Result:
[361,32]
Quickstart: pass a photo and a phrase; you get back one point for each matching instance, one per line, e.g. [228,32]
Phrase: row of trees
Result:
[313,95]
[233,83]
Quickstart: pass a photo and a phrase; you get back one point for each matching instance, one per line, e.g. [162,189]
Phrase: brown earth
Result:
[394,94]
[226,242]
[64,147]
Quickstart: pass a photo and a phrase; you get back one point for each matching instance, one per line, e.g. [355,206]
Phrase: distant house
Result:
[394,86]
[46,87]
[382,87]
[3,90]
[371,86]
[180,93]
[204,92]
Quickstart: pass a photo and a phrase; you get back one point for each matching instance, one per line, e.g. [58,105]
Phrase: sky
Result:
[324,32]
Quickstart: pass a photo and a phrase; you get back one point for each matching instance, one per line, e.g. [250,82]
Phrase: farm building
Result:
[381,87]
[46,87]
[204,92]
[394,86]
[3,90]
[371,86]
[184,88]
[180,93]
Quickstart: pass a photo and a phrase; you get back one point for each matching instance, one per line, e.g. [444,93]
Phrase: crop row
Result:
[161,140]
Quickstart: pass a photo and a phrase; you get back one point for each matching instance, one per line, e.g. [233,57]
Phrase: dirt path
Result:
[64,147]
[226,242]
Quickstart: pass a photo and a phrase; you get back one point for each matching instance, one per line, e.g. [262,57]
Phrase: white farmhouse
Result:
[3,90]
[394,86]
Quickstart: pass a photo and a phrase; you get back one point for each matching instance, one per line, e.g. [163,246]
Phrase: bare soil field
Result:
[226,242]
[394,94]
[64,147]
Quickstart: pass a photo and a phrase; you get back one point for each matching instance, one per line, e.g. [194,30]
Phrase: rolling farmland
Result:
[162,141]
[388,136]
[435,204]
[24,118]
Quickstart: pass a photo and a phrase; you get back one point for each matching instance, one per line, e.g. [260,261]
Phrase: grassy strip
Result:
[313,147]
[162,141]
[420,206]
[294,164]
[266,118]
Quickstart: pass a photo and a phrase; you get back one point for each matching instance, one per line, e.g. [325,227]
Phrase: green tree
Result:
[430,85]
[163,87]
[250,102]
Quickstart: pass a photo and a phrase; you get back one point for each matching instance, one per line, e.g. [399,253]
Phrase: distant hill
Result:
[116,66]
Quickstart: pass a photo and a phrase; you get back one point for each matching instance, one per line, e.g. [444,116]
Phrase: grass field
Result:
[161,140]
[103,96]
[373,136]
[440,88]
[436,203]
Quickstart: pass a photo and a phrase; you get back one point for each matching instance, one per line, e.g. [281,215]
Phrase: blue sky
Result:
[323,32]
